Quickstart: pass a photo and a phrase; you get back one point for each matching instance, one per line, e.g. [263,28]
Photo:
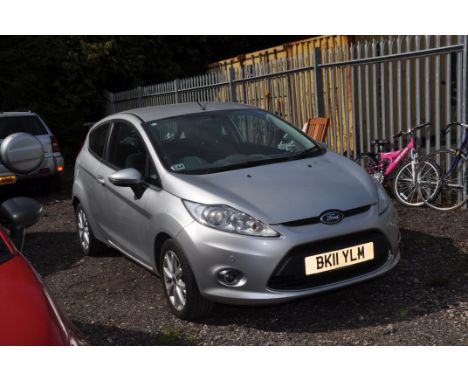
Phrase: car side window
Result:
[127,150]
[5,253]
[97,140]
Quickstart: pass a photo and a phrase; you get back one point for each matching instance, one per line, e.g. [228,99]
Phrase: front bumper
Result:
[258,258]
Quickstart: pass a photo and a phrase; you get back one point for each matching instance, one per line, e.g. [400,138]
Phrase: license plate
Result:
[341,258]
[7,179]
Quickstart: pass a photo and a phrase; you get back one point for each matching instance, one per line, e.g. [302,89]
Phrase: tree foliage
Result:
[63,77]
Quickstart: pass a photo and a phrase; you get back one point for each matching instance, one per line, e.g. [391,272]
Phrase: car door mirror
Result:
[21,153]
[129,177]
[17,214]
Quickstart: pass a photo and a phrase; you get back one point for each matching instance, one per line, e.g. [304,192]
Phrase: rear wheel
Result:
[448,189]
[179,284]
[368,163]
[89,245]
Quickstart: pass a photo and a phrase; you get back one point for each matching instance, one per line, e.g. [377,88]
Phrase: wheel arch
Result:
[75,202]
[159,240]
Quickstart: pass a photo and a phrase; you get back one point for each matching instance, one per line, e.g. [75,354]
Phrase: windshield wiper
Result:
[247,164]
[306,153]
[261,162]
[234,166]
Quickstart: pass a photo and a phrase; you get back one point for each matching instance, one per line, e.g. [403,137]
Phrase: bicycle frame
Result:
[395,157]
[460,154]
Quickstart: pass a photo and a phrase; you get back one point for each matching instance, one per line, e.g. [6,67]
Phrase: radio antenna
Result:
[201,106]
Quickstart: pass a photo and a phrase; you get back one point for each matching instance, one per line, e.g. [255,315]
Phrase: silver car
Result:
[25,137]
[209,198]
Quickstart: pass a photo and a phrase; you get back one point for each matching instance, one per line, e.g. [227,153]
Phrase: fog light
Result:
[229,277]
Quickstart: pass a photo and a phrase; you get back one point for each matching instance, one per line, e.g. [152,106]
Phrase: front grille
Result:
[316,219]
[290,273]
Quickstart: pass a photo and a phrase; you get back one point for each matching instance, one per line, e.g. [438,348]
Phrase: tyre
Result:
[449,189]
[89,245]
[179,284]
[406,182]
[368,163]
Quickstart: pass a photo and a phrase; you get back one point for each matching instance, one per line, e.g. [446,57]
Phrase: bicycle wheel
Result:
[368,163]
[406,183]
[448,189]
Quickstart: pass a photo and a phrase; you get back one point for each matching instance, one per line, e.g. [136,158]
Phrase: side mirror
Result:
[129,177]
[21,153]
[17,214]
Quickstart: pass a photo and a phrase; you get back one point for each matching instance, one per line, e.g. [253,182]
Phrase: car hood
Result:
[281,192]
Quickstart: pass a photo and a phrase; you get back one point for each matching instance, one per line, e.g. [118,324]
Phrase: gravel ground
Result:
[113,301]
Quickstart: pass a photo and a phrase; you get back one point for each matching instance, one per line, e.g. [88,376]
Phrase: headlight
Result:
[228,219]
[383,199]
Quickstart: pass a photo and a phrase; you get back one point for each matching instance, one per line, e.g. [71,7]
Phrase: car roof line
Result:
[137,116]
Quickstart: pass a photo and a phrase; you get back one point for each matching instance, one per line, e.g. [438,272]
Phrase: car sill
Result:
[133,258]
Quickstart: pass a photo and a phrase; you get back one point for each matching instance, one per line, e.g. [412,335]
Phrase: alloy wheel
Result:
[174,280]
[83,229]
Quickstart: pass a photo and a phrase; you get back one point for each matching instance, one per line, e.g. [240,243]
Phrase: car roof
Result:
[152,113]
[6,114]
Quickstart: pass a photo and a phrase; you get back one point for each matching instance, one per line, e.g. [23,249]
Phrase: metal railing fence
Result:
[369,89]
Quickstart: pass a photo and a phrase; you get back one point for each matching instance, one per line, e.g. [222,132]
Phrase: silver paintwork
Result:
[274,193]
[126,177]
[50,160]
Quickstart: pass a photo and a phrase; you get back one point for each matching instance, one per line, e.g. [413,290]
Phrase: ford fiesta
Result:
[229,204]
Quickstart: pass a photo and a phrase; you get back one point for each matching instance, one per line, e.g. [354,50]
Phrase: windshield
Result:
[26,124]
[223,140]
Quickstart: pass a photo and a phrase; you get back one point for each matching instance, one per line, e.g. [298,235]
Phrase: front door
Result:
[125,219]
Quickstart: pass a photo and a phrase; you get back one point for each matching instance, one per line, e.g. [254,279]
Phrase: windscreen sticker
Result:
[178,167]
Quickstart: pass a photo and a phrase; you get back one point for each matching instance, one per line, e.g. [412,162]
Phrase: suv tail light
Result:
[54,143]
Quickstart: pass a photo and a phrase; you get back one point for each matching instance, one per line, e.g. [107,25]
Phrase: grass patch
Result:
[169,337]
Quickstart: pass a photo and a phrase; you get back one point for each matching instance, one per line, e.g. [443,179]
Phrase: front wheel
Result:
[449,189]
[179,284]
[407,181]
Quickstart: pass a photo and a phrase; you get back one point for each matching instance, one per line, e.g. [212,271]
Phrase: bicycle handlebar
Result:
[411,131]
[449,126]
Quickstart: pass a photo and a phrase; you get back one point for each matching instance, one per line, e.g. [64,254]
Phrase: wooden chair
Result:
[316,128]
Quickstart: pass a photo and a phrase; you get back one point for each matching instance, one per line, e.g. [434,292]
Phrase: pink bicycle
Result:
[403,175]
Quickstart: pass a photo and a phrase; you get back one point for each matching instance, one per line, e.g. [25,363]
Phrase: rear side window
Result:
[97,140]
[127,150]
[26,124]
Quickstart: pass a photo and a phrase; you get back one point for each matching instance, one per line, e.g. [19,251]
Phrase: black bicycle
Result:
[448,188]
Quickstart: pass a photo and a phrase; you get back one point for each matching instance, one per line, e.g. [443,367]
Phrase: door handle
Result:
[100,179]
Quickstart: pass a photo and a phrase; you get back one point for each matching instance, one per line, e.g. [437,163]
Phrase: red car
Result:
[28,314]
